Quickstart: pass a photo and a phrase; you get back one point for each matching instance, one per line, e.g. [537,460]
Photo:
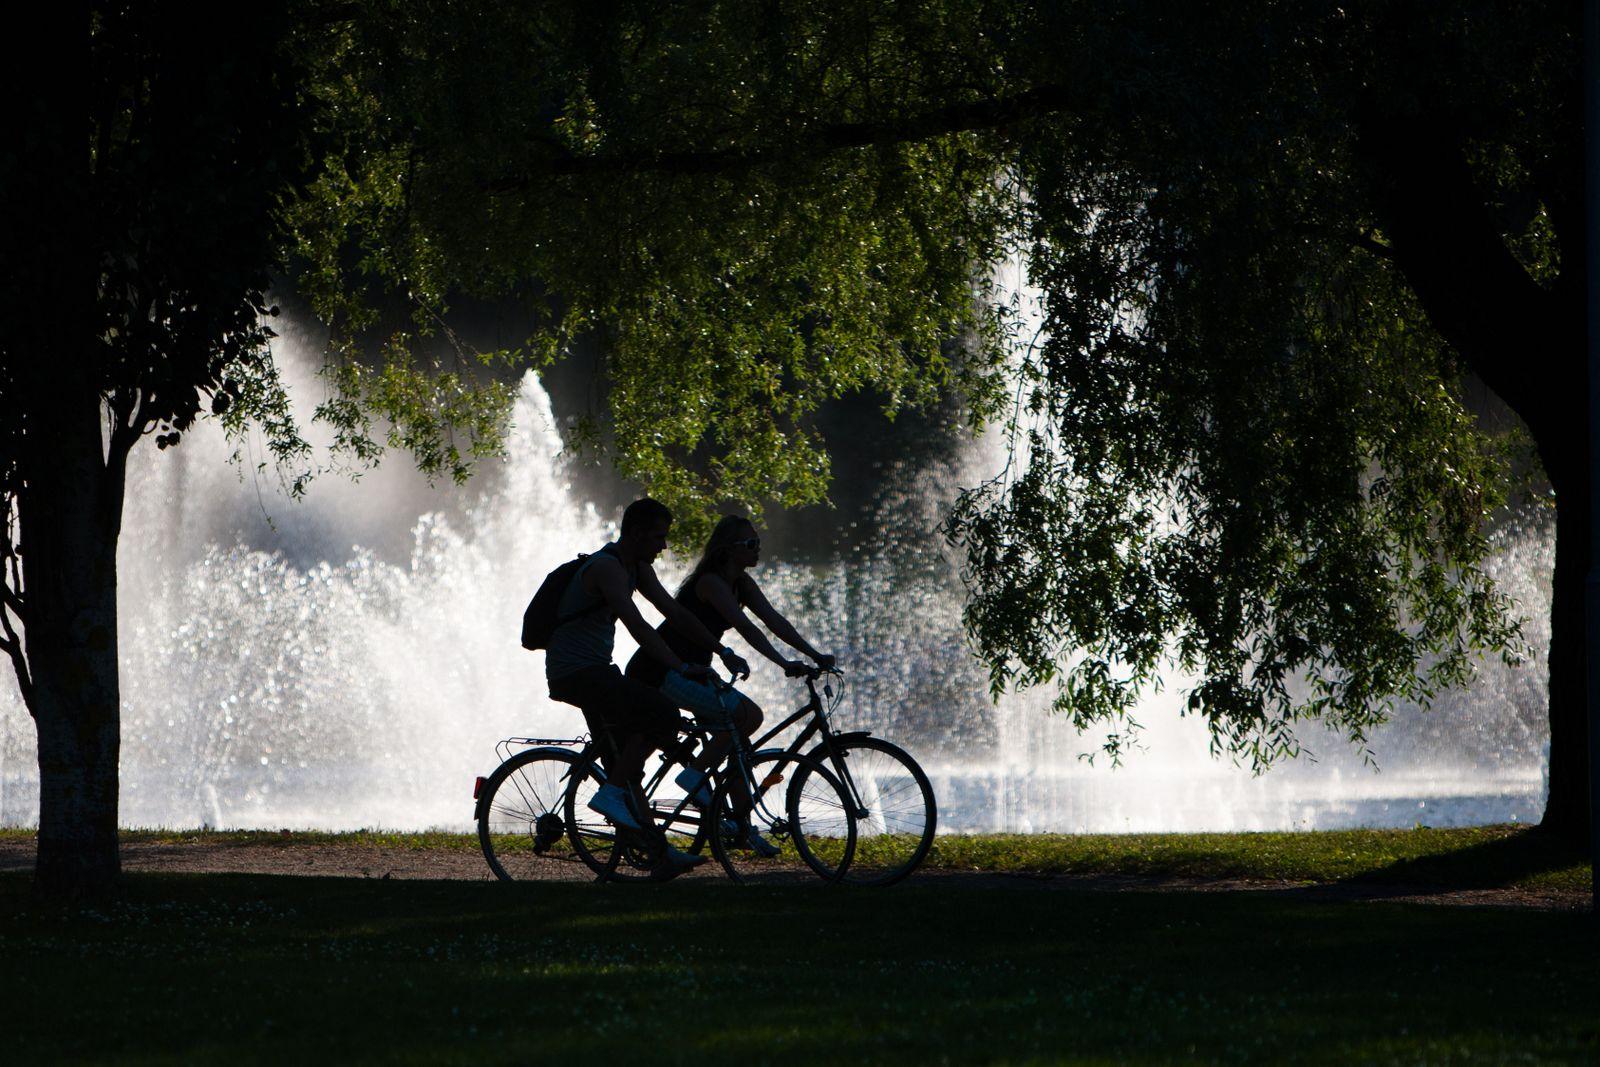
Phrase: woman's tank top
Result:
[644,667]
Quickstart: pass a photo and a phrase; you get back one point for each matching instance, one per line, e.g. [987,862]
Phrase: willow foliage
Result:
[631,171]
[1240,448]
[1238,442]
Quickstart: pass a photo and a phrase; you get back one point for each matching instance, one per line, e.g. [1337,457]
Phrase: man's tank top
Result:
[588,639]
[644,667]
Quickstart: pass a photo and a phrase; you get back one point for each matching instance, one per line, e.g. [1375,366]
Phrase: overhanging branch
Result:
[831,137]
[1443,238]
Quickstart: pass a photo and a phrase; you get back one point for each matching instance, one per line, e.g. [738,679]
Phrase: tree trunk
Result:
[70,514]
[1526,343]
[1566,811]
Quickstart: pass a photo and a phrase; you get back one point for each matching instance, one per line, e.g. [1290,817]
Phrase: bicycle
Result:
[532,812]
[890,795]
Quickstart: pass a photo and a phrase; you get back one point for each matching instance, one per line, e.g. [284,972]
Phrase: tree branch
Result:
[1446,242]
[831,137]
[128,407]
[1362,240]
[11,644]
[1367,244]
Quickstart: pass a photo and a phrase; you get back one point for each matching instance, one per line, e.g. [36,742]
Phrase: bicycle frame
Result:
[683,817]
[819,725]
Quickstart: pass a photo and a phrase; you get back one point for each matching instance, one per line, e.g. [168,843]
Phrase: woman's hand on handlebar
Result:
[794,668]
[825,662]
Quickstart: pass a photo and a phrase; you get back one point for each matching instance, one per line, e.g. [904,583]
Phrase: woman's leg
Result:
[747,720]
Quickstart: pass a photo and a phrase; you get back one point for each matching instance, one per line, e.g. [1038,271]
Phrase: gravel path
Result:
[292,858]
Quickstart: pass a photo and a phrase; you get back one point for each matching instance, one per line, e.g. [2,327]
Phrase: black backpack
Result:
[540,619]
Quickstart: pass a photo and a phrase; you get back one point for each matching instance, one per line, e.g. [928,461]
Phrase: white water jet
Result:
[323,685]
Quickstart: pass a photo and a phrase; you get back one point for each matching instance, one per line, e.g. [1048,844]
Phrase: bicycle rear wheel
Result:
[521,826]
[799,806]
[896,817]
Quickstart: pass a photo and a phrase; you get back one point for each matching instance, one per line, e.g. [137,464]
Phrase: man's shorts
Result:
[711,708]
[618,704]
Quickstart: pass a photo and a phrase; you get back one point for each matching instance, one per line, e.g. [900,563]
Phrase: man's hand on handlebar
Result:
[734,662]
[696,672]
[825,662]
[795,669]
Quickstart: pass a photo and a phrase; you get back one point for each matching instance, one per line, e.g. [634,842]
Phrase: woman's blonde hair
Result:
[718,545]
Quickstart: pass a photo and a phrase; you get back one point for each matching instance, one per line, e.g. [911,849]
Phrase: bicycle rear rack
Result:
[505,748]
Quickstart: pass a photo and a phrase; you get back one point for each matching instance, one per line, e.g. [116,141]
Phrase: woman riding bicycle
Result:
[717,591]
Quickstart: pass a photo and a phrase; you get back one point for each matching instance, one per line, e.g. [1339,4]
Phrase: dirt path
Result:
[289,857]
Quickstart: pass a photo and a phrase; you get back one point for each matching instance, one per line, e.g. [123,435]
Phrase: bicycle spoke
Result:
[521,828]
[798,807]
[897,818]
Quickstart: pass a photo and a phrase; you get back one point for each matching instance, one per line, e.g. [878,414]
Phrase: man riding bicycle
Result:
[579,669]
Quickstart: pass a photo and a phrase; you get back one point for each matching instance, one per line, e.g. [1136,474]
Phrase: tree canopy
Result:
[659,178]
[1239,440]
[1242,445]
[172,228]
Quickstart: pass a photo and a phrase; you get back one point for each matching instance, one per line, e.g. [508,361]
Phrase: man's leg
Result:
[633,752]
[644,722]
[608,708]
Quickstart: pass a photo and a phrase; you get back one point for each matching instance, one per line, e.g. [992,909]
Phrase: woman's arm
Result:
[683,619]
[777,623]
[716,592]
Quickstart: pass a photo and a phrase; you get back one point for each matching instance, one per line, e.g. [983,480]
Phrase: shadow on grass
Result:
[1531,858]
[253,968]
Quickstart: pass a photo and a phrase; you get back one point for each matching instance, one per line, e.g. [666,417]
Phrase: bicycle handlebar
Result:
[722,685]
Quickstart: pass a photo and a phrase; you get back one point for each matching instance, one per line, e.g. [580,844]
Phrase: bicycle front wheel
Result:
[896,815]
[794,803]
[521,825]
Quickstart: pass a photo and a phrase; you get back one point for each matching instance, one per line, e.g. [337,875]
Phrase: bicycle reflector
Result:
[477,786]
[772,779]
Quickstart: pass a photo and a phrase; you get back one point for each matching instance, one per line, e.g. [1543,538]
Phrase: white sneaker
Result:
[612,802]
[697,785]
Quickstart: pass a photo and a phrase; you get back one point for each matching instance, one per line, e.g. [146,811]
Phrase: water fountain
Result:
[277,674]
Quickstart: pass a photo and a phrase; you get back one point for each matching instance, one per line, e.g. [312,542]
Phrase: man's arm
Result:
[611,582]
[678,615]
[683,619]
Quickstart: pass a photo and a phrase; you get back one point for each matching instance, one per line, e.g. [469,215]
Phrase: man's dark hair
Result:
[644,513]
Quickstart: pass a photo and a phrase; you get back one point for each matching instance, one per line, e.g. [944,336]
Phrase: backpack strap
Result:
[587,558]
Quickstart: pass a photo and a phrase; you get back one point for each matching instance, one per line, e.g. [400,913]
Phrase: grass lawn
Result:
[249,969]
[1476,857]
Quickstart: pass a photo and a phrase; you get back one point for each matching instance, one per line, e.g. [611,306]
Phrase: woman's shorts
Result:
[710,707]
